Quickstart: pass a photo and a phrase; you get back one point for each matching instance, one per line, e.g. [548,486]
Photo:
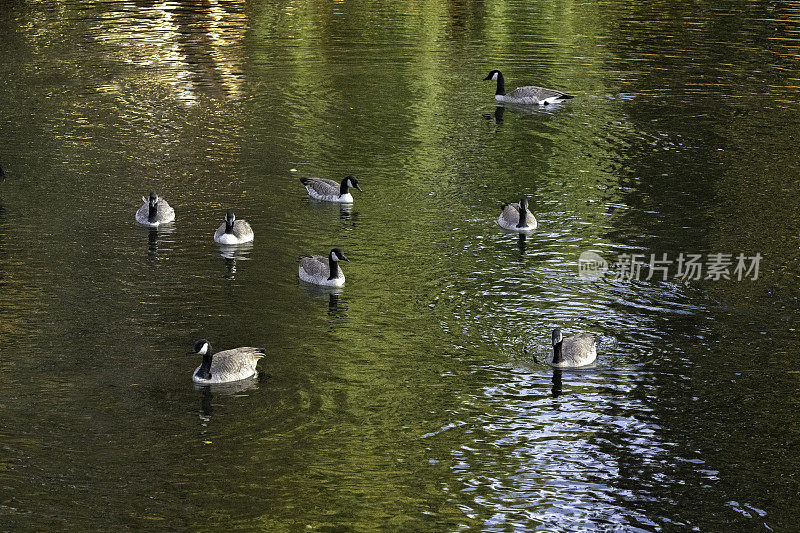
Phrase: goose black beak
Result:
[487,78]
[191,352]
[359,188]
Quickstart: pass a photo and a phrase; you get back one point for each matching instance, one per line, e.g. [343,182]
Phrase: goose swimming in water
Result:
[229,365]
[571,352]
[516,217]
[155,211]
[321,270]
[233,231]
[329,190]
[527,95]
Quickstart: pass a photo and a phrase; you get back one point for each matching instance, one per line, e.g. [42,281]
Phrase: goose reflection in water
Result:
[531,111]
[557,386]
[522,244]
[345,211]
[557,389]
[222,390]
[231,253]
[337,309]
[496,115]
[230,268]
[155,239]
[499,111]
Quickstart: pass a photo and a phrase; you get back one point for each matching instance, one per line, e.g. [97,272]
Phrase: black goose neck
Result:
[229,226]
[152,211]
[343,188]
[523,217]
[557,352]
[333,267]
[204,372]
[501,84]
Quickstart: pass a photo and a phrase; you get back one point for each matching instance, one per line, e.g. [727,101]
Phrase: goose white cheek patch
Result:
[494,76]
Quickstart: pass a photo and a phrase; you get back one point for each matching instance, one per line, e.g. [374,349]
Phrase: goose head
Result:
[557,337]
[338,255]
[493,75]
[230,218]
[152,209]
[201,347]
[152,200]
[352,182]
[523,205]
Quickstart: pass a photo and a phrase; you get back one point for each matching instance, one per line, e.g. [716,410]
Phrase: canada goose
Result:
[233,231]
[222,367]
[329,190]
[516,217]
[155,211]
[570,352]
[529,94]
[319,270]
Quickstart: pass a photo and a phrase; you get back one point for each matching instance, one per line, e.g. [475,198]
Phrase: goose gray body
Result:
[225,366]
[154,212]
[317,269]
[512,214]
[233,231]
[531,94]
[527,95]
[576,351]
[329,190]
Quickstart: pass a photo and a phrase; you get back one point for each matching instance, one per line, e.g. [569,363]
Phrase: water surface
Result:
[416,397]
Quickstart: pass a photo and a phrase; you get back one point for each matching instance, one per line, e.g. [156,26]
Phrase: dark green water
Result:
[406,402]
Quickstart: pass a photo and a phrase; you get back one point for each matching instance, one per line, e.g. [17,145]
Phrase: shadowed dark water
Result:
[416,397]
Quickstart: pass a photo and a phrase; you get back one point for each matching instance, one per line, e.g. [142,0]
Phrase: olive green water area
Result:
[416,397]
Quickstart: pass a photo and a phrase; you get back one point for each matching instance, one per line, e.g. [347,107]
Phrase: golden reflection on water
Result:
[192,50]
